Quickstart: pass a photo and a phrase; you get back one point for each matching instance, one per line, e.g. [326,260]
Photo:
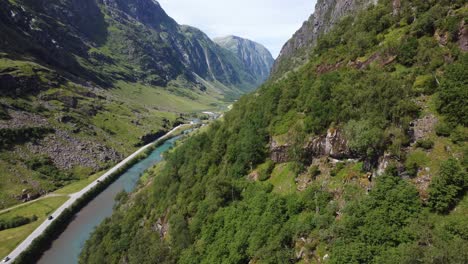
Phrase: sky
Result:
[268,22]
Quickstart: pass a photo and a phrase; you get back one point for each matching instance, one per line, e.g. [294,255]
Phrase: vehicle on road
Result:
[50,217]
[5,260]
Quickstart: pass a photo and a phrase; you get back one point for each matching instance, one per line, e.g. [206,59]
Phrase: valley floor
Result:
[45,206]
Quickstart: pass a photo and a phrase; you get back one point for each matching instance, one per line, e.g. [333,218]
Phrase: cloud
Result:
[269,22]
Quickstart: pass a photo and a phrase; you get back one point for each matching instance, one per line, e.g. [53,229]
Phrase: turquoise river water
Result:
[67,247]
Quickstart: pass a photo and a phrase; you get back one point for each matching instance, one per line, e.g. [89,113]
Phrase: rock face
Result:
[254,56]
[422,127]
[140,38]
[463,36]
[333,145]
[327,13]
[279,153]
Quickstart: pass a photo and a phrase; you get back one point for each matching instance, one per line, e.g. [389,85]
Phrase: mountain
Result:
[358,156]
[254,56]
[84,82]
[137,35]
[327,13]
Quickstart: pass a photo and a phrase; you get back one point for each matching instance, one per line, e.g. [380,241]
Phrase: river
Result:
[67,247]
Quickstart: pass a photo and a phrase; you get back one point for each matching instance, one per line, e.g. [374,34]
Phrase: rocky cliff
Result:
[86,38]
[333,145]
[327,13]
[254,56]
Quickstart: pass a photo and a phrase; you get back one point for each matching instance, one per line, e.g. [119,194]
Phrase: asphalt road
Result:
[73,197]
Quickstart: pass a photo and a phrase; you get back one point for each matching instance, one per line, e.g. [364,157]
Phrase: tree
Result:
[453,92]
[376,224]
[407,52]
[447,187]
[364,137]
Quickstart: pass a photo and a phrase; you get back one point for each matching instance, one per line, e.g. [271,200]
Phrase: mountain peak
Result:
[327,13]
[255,57]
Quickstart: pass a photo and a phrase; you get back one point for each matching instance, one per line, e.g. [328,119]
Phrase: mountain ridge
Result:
[255,57]
[296,51]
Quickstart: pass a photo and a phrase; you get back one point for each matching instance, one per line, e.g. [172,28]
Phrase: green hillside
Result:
[360,156]
[83,83]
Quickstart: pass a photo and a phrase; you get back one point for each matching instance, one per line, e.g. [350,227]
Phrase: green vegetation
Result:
[16,222]
[10,238]
[448,187]
[265,170]
[366,78]
[426,144]
[9,137]
[453,94]
[415,161]
[80,85]
[78,186]
[377,224]
[46,168]
[282,179]
[43,241]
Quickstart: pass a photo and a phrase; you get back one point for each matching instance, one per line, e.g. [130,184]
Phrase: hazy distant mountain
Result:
[255,57]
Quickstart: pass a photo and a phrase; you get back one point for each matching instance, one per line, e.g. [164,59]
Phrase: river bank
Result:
[37,242]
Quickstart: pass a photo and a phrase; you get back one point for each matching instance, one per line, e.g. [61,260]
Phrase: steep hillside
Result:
[84,82]
[255,57]
[327,13]
[359,156]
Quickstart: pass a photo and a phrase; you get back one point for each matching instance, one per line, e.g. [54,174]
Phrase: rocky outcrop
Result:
[333,145]
[279,153]
[21,119]
[67,151]
[327,13]
[463,36]
[422,127]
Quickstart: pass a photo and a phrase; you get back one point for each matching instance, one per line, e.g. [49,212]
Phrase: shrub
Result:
[425,144]
[424,26]
[424,84]
[265,170]
[453,92]
[3,113]
[364,137]
[16,222]
[446,187]
[414,162]
[339,166]
[314,171]
[47,169]
[459,134]
[9,136]
[443,129]
[408,51]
